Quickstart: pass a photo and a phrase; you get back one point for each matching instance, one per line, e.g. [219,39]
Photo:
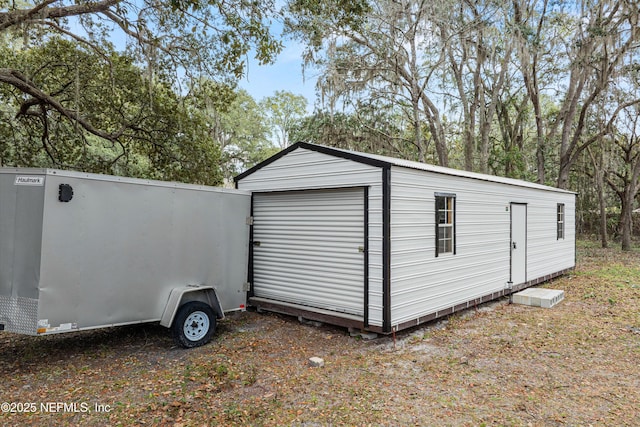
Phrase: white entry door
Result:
[308,248]
[518,243]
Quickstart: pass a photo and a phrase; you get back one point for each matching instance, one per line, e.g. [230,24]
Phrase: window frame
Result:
[438,226]
[560,221]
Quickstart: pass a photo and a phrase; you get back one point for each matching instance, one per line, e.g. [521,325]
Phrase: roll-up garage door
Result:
[308,248]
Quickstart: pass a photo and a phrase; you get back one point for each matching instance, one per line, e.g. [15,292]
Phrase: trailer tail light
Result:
[242,307]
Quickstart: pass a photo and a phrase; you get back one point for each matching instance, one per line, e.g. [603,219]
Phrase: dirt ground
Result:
[577,364]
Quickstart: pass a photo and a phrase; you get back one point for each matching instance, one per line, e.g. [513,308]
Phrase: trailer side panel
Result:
[21,208]
[112,254]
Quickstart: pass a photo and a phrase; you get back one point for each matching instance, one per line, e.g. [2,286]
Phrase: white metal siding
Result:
[422,284]
[310,248]
[307,169]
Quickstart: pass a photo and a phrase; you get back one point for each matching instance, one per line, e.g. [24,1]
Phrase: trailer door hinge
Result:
[249,220]
[246,287]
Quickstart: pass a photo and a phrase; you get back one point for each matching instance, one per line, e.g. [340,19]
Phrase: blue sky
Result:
[285,74]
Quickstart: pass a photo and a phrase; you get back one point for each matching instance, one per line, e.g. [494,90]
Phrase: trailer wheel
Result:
[193,325]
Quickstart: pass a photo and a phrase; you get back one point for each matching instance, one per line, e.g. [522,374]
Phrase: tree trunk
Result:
[604,238]
[540,155]
[598,177]
[626,219]
[563,174]
[418,138]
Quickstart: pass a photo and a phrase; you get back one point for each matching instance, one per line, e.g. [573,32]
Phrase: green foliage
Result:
[190,38]
[246,134]
[156,135]
[310,19]
[369,130]
[68,100]
[282,110]
[237,124]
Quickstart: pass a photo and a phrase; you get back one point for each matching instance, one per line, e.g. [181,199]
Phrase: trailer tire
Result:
[194,324]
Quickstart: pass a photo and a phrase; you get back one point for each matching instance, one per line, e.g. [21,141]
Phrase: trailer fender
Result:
[183,294]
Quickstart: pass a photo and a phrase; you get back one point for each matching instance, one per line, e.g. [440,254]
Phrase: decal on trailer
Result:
[44,327]
[29,180]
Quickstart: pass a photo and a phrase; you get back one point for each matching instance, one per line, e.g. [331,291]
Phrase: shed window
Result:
[560,221]
[445,223]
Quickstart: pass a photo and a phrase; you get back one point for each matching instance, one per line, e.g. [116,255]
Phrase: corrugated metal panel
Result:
[304,169]
[308,249]
[307,169]
[439,169]
[423,284]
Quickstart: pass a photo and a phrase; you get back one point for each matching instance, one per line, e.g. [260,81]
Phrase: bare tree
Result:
[607,32]
[625,179]
[532,45]
[599,160]
[391,57]
[479,61]
[584,44]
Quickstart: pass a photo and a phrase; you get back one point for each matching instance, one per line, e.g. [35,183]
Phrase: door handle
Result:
[514,245]
[256,243]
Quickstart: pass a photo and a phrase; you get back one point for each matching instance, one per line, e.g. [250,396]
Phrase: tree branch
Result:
[19,81]
[605,129]
[42,11]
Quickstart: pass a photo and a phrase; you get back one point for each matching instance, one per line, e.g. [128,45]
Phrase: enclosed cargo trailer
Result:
[81,251]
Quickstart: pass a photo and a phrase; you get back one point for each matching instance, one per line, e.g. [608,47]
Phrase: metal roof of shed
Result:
[384,161]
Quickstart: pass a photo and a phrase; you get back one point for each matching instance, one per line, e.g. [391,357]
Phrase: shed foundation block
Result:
[538,297]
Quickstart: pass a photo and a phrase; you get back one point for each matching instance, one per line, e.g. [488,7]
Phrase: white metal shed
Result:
[382,244]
